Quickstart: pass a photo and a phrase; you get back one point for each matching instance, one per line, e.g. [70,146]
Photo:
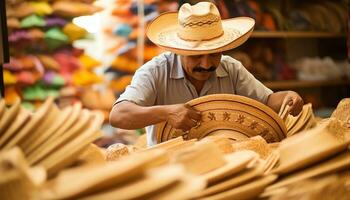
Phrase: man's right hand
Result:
[184,117]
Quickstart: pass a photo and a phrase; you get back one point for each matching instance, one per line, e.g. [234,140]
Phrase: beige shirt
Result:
[162,81]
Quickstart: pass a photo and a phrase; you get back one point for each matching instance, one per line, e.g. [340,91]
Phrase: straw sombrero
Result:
[37,134]
[233,181]
[19,180]
[90,179]
[198,29]
[55,123]
[186,188]
[68,153]
[321,142]
[334,164]
[247,191]
[43,150]
[235,162]
[241,116]
[15,126]
[154,181]
[31,125]
[9,115]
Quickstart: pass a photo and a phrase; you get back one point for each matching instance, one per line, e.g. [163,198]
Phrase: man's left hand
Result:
[294,101]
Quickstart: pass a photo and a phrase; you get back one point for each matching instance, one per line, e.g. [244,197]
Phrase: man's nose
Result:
[205,62]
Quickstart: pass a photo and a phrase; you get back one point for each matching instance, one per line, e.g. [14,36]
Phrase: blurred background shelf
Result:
[283,85]
[296,34]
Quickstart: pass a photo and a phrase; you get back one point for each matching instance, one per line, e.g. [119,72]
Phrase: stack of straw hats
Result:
[176,169]
[136,176]
[304,121]
[50,137]
[215,167]
[319,151]
[18,180]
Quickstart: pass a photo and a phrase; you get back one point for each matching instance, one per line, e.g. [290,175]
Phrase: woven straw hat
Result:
[198,29]
[321,142]
[240,117]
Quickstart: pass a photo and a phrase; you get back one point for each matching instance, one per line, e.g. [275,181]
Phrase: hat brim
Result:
[162,31]
[323,140]
[235,180]
[250,190]
[236,162]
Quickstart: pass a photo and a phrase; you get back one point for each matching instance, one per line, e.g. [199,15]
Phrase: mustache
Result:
[202,69]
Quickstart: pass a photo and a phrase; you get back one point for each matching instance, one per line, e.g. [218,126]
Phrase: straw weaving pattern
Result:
[200,23]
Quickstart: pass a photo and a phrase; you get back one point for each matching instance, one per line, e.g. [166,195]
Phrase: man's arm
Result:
[275,101]
[128,115]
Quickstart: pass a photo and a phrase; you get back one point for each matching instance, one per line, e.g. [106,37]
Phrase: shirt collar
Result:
[177,71]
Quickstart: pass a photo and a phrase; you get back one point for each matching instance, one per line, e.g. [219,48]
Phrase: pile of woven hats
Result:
[49,137]
[215,168]
[218,166]
[320,151]
[295,124]
[43,60]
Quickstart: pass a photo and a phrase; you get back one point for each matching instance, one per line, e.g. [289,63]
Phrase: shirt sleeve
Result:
[141,89]
[247,85]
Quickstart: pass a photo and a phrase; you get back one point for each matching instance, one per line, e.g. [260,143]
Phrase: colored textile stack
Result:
[126,31]
[43,59]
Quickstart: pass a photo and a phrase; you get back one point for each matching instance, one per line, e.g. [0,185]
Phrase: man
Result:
[194,67]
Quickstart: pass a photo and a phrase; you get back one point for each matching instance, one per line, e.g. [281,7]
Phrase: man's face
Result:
[200,67]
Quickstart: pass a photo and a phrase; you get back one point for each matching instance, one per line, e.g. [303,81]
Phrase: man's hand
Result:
[294,101]
[277,99]
[182,116]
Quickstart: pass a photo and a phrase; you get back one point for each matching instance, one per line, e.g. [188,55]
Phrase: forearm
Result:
[127,115]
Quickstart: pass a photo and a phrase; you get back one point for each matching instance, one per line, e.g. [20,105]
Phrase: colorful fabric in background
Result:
[55,38]
[9,78]
[53,79]
[41,8]
[43,60]
[11,95]
[33,21]
[74,8]
[125,54]
[55,21]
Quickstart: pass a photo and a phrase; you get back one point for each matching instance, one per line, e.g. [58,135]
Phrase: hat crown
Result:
[200,9]
[199,22]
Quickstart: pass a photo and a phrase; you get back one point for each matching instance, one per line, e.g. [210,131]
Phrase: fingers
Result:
[184,117]
[296,105]
[188,124]
[193,114]
[193,117]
